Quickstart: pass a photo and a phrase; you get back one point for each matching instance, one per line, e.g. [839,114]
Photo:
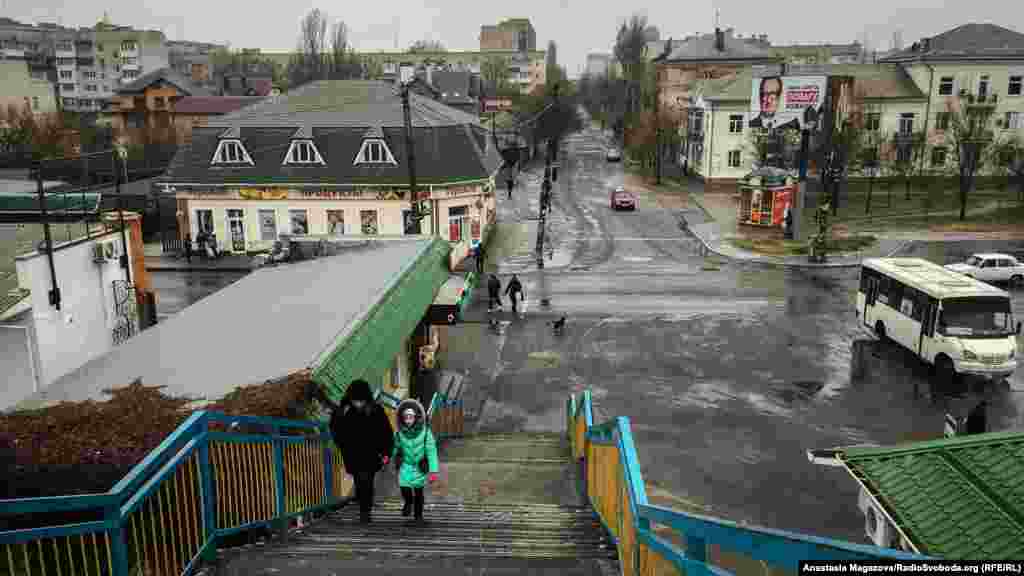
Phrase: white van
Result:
[955,323]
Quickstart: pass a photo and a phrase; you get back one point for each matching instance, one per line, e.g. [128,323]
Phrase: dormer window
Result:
[231,152]
[303,152]
[374,151]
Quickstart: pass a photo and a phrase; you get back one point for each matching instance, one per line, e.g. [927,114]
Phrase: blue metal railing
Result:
[198,485]
[616,490]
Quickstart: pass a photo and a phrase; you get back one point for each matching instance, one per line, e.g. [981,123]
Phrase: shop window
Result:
[457,223]
[268,225]
[299,222]
[336,222]
[368,221]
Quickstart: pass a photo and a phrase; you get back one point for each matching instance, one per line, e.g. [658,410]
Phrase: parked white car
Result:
[991,268]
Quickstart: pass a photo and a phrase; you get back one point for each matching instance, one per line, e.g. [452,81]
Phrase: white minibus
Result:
[953,322]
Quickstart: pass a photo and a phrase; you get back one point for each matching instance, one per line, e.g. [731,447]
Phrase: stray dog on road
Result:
[558,326]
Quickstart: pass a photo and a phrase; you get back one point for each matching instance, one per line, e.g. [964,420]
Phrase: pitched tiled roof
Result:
[168,75]
[450,145]
[213,104]
[970,41]
[958,498]
[871,81]
[703,48]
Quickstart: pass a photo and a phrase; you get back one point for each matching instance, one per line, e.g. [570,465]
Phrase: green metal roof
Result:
[29,203]
[368,350]
[957,498]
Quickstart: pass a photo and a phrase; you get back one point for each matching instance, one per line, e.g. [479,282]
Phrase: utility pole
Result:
[416,215]
[48,239]
[545,195]
[657,132]
[121,152]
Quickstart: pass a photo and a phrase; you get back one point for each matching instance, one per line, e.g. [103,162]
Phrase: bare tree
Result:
[1011,157]
[309,61]
[344,63]
[972,138]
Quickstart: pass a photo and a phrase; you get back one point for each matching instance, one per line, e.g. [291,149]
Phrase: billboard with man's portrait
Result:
[787,101]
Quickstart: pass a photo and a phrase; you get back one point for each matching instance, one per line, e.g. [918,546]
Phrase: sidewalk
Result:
[157,261]
[711,219]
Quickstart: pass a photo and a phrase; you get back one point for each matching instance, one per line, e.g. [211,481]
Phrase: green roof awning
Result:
[20,203]
[957,498]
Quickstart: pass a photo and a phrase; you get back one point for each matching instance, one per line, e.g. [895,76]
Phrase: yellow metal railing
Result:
[165,516]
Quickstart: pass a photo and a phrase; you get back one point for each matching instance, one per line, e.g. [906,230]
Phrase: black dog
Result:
[558,325]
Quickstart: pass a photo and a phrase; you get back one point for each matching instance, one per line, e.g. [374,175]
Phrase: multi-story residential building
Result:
[329,158]
[193,59]
[513,34]
[20,90]
[526,70]
[87,64]
[984,60]
[598,63]
[720,138]
[686,66]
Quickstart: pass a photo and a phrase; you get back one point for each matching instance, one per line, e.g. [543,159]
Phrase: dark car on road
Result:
[622,199]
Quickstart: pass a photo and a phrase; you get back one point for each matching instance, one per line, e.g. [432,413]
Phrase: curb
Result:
[174,268]
[781,264]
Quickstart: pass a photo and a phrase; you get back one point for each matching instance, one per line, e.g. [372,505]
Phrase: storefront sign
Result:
[338,194]
[263,193]
[389,194]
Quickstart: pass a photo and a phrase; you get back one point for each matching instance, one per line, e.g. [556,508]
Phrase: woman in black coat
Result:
[363,433]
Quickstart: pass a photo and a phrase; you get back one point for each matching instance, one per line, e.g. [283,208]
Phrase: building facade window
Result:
[268,225]
[374,151]
[299,221]
[942,121]
[128,45]
[69,102]
[204,221]
[903,154]
[66,74]
[1012,121]
[1013,88]
[35,102]
[938,157]
[67,87]
[90,88]
[907,123]
[303,152]
[368,222]
[734,158]
[158,102]
[946,86]
[131,74]
[231,152]
[457,223]
[873,122]
[983,86]
[336,222]
[736,123]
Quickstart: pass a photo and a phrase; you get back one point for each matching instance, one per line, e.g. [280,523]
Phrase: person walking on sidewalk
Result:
[363,433]
[514,289]
[188,248]
[415,454]
[481,256]
[493,291]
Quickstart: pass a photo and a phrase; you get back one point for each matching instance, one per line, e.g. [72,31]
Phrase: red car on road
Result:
[622,199]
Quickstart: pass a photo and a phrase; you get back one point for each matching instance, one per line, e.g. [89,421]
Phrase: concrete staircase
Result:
[511,504]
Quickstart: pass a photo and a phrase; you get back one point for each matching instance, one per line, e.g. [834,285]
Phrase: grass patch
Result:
[893,202]
[778,247]
[1011,217]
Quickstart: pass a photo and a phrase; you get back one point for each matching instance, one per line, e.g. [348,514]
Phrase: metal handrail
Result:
[776,548]
[197,485]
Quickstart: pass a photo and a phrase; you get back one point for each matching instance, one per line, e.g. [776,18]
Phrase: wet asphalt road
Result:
[727,376]
[177,290]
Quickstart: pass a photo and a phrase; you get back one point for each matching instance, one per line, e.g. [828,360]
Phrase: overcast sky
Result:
[576,26]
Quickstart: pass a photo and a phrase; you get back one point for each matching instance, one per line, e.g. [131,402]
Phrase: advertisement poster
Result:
[787,101]
[783,197]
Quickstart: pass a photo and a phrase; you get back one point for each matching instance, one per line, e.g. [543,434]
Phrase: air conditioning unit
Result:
[876,525]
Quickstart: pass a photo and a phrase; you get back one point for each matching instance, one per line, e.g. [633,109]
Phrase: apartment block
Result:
[87,65]
[513,34]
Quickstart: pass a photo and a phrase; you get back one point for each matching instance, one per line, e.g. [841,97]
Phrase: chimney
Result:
[719,40]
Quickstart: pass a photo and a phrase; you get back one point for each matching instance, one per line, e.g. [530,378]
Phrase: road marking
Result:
[637,258]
